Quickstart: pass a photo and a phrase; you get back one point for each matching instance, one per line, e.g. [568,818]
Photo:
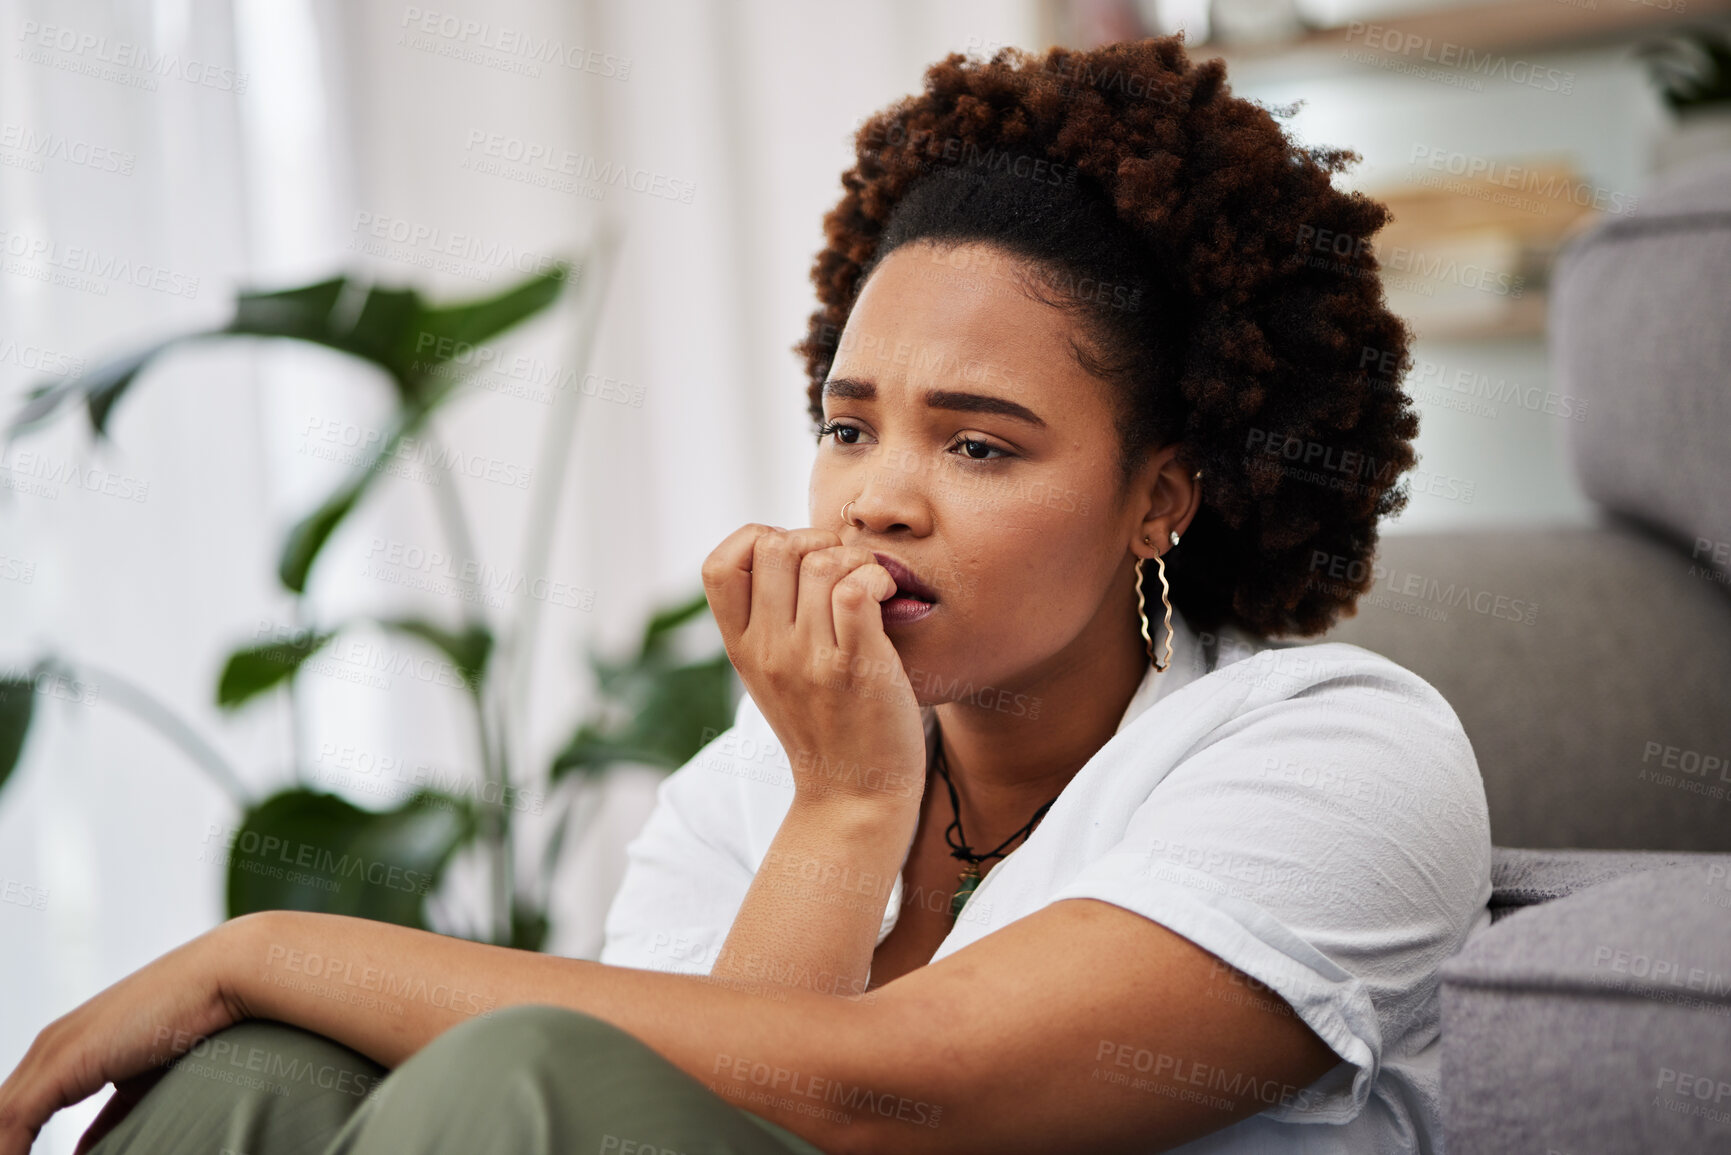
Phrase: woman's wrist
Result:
[231,951]
[856,819]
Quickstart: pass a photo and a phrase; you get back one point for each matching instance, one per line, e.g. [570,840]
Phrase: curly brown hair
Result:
[1276,370]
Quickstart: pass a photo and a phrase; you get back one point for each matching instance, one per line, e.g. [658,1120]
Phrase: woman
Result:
[1013,847]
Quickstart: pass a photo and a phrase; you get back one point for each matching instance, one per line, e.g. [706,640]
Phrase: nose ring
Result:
[846,519]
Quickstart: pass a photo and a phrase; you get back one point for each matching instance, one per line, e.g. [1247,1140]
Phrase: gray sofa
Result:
[1594,1014]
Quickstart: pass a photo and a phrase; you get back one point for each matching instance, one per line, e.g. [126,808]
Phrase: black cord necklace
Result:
[969,878]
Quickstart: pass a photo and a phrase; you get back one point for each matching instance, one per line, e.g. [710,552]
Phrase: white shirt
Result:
[1312,814]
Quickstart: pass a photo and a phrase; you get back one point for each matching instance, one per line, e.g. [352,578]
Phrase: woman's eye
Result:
[976,450]
[829,428]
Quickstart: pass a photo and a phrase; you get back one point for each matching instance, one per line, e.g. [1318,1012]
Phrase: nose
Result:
[891,501]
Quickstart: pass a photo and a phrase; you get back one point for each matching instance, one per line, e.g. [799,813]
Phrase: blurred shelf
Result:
[1519,318]
[1507,25]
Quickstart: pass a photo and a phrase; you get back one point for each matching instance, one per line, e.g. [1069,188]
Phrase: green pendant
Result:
[966,881]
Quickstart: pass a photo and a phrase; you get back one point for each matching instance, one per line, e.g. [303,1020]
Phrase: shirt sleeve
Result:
[1332,844]
[686,872]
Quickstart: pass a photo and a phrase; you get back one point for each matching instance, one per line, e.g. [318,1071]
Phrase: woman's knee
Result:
[280,1060]
[506,1041]
[276,1081]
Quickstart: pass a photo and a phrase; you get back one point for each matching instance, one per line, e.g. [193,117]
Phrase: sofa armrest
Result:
[1521,878]
[1599,1021]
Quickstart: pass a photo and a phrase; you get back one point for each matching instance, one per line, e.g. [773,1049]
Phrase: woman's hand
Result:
[799,614]
[125,1035]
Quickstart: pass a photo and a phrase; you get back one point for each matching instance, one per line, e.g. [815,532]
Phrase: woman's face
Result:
[979,454]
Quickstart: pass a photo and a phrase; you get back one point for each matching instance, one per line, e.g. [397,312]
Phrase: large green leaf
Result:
[394,328]
[305,850]
[467,648]
[470,323]
[255,669]
[669,713]
[99,388]
[303,313]
[17,702]
[664,622]
[309,535]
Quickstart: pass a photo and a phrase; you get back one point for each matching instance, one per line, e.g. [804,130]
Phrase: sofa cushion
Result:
[1641,332]
[1600,1021]
[1521,877]
[1588,667]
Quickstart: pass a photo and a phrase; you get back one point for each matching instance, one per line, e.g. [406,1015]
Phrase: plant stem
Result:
[136,701]
[456,526]
[496,823]
[517,647]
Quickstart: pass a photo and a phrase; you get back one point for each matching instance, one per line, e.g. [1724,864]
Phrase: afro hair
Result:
[1275,369]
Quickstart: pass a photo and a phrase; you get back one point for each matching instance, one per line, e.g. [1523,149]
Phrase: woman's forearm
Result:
[386,991]
[811,917]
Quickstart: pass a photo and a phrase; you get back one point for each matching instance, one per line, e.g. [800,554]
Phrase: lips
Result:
[907,585]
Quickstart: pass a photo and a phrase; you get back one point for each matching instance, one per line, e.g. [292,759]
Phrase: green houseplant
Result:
[653,706]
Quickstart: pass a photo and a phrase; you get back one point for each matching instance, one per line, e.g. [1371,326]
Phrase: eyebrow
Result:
[853,389]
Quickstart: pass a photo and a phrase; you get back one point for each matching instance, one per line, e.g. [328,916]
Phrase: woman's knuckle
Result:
[849,596]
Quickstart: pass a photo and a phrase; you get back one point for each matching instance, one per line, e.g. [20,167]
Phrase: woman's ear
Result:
[1169,495]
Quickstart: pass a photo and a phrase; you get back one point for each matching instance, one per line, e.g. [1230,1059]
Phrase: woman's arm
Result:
[811,917]
[799,615]
[1032,1039]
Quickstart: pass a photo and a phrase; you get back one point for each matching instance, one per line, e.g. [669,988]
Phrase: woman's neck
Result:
[1011,755]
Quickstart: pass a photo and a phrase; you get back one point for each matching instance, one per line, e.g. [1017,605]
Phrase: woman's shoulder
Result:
[1337,704]
[1274,669]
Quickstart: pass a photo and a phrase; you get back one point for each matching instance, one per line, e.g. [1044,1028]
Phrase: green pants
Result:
[527,1080]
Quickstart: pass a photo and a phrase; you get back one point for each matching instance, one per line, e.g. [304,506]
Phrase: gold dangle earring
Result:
[1141,606]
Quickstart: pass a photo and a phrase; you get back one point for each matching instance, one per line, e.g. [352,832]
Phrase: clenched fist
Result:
[802,618]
